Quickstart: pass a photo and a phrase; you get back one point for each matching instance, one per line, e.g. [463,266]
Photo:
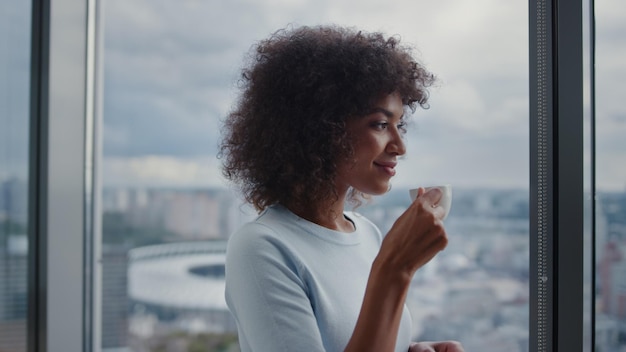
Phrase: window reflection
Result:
[170,68]
[14,144]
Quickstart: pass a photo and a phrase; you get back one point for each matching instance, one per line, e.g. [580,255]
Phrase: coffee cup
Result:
[446,197]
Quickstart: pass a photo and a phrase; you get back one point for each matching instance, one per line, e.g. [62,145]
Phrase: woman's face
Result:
[378,142]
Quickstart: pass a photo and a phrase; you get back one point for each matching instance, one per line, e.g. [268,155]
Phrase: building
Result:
[115,302]
[13,293]
[178,287]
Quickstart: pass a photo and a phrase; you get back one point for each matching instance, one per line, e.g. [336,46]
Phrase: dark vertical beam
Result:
[541,86]
[40,53]
[557,185]
[568,175]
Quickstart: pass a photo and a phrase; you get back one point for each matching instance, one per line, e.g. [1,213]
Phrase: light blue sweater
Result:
[293,285]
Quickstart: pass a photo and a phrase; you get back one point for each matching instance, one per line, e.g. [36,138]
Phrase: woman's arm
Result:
[379,319]
[414,239]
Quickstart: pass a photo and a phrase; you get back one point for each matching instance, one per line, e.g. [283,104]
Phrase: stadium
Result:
[181,285]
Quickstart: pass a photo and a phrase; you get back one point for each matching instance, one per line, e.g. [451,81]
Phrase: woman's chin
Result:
[378,191]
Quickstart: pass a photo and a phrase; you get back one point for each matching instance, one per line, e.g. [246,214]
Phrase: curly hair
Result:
[285,136]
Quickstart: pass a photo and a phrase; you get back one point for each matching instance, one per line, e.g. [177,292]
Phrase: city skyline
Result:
[487,256]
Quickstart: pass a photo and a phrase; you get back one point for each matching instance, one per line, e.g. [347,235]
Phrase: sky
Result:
[14,88]
[171,67]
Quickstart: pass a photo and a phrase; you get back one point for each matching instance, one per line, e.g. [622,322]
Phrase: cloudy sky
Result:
[171,67]
[14,88]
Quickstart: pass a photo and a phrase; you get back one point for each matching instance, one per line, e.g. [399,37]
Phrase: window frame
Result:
[557,216]
[61,253]
[64,142]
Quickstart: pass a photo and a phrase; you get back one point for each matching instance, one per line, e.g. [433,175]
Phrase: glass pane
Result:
[170,77]
[15,41]
[610,240]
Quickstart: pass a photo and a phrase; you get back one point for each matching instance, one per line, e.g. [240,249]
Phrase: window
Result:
[63,287]
[170,70]
[610,177]
[14,182]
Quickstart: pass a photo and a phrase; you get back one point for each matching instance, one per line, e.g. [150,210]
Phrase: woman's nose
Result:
[396,144]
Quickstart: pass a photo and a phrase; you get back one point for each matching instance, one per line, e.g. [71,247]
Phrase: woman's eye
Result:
[402,127]
[383,125]
[380,125]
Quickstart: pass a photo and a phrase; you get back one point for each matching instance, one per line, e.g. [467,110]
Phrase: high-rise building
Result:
[115,304]
[13,292]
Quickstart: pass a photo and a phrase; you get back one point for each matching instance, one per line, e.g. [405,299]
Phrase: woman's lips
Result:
[387,167]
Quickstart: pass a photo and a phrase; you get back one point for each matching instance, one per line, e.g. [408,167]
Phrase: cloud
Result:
[611,169]
[610,109]
[610,14]
[14,88]
[164,171]
[171,69]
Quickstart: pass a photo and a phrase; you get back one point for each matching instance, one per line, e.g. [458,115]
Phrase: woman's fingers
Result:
[430,201]
[442,346]
[421,347]
[432,197]
[416,237]
[418,234]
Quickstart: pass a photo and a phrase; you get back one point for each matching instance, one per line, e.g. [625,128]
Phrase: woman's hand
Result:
[442,346]
[416,236]
[414,239]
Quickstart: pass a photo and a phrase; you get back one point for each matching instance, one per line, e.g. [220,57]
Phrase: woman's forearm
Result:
[413,240]
[379,319]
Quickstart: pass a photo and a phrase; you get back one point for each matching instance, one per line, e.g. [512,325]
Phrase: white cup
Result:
[446,198]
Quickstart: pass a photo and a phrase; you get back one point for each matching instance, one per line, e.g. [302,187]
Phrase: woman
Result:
[319,123]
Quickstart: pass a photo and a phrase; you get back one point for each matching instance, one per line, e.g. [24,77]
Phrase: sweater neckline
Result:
[334,236]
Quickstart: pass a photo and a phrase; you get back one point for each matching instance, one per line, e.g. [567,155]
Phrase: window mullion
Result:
[556,118]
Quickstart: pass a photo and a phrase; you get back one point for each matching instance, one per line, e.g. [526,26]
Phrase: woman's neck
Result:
[329,216]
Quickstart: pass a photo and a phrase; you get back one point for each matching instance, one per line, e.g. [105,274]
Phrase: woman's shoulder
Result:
[258,233]
[254,232]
